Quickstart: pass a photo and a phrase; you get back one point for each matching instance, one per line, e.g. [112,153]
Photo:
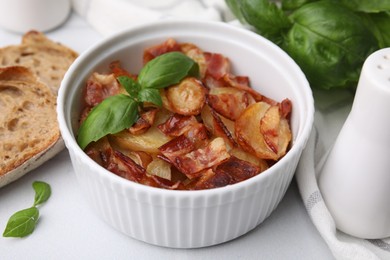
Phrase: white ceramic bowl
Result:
[189,219]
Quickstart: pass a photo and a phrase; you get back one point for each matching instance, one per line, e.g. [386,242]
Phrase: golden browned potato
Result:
[186,98]
[195,53]
[159,168]
[261,131]
[148,141]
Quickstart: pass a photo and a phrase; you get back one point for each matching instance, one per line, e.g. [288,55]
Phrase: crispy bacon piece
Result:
[166,184]
[144,122]
[177,125]
[198,134]
[286,108]
[217,65]
[154,51]
[100,151]
[191,164]
[177,146]
[118,71]
[228,172]
[125,167]
[238,169]
[99,87]
[210,180]
[242,82]
[229,102]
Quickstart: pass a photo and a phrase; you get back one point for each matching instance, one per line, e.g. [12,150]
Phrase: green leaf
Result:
[42,192]
[268,19]
[131,86]
[379,23]
[330,43]
[22,223]
[150,95]
[294,4]
[111,116]
[367,6]
[166,70]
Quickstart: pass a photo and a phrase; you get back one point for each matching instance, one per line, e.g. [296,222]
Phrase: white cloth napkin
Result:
[111,16]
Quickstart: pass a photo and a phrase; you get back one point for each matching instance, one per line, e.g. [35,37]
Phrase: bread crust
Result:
[47,59]
[29,133]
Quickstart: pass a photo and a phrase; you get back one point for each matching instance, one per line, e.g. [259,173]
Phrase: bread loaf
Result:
[47,59]
[29,133]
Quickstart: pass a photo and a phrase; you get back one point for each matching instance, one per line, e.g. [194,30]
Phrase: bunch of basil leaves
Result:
[328,39]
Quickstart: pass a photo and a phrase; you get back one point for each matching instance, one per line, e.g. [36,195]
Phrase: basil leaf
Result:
[22,223]
[368,6]
[379,23]
[42,192]
[330,43]
[131,86]
[266,17]
[294,4]
[167,69]
[111,116]
[150,95]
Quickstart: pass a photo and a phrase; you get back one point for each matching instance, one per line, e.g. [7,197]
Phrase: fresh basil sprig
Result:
[23,222]
[119,112]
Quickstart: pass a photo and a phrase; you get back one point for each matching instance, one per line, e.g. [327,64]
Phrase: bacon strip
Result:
[154,51]
[217,65]
[99,87]
[191,164]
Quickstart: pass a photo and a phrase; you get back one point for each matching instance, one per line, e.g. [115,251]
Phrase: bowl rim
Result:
[70,141]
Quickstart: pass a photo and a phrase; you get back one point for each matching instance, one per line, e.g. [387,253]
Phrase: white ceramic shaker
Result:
[24,15]
[355,179]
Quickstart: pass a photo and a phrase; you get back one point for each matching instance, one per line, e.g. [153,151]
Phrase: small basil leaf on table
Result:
[111,116]
[22,223]
[42,192]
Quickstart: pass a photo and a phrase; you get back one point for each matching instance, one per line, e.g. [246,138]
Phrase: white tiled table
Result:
[68,229]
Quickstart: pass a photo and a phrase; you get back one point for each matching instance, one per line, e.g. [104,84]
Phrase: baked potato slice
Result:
[148,141]
[186,98]
[261,131]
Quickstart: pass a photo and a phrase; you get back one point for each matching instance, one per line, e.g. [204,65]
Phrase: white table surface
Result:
[68,229]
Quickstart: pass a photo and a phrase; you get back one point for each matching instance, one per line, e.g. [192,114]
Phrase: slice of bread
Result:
[29,133]
[47,59]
